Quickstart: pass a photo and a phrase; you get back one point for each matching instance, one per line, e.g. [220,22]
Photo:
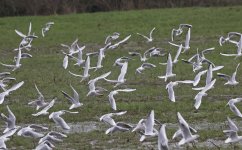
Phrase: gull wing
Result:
[16,86]
[123,71]
[151,32]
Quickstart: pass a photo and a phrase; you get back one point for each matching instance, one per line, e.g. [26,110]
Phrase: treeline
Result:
[48,7]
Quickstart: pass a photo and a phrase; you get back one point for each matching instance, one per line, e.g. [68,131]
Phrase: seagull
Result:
[140,125]
[157,52]
[10,120]
[115,126]
[186,133]
[46,28]
[208,78]
[52,136]
[45,145]
[26,39]
[79,59]
[150,38]
[106,118]
[196,80]
[142,58]
[162,138]
[120,61]
[170,90]
[144,66]
[179,31]
[111,96]
[112,37]
[99,60]
[231,79]
[198,97]
[239,49]
[150,131]
[187,45]
[121,77]
[222,39]
[17,63]
[44,111]
[60,121]
[232,132]
[5,137]
[8,91]
[233,108]
[168,69]
[72,49]
[74,100]
[93,90]
[29,131]
[65,62]
[86,70]
[120,42]
[40,101]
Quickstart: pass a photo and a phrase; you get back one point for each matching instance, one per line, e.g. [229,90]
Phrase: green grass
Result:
[45,69]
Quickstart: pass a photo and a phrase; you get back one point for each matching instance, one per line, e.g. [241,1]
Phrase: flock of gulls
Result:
[148,126]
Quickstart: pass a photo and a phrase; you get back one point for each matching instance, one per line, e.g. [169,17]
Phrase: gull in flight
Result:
[40,101]
[179,31]
[46,28]
[150,131]
[44,111]
[79,60]
[121,77]
[74,100]
[27,39]
[120,61]
[111,96]
[30,131]
[170,90]
[10,120]
[150,38]
[52,136]
[230,35]
[99,60]
[198,97]
[196,80]
[86,70]
[186,133]
[120,42]
[230,79]
[72,49]
[208,78]
[162,138]
[115,126]
[144,66]
[239,49]
[5,137]
[157,52]
[233,108]
[168,69]
[17,63]
[60,121]
[142,58]
[93,90]
[232,133]
[112,37]
[6,92]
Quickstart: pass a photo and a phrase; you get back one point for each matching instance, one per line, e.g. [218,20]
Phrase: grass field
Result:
[45,69]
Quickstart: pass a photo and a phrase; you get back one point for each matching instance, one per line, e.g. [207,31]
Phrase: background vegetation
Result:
[45,69]
[47,7]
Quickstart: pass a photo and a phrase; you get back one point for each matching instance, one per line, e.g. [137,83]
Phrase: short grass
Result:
[45,69]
